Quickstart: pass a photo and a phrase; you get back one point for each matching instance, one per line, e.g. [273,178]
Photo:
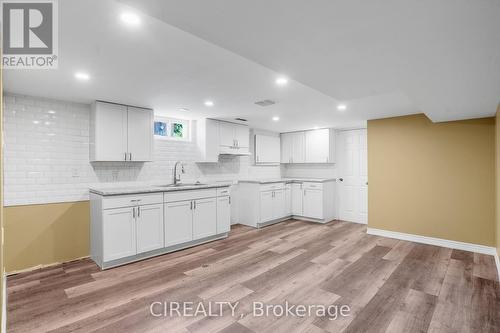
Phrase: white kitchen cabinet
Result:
[319,146]
[108,132]
[204,218]
[314,146]
[242,136]
[223,214]
[288,199]
[286,147]
[267,149]
[297,199]
[130,227]
[233,138]
[266,206]
[279,204]
[178,222]
[313,203]
[118,233]
[277,201]
[149,227]
[120,133]
[140,134]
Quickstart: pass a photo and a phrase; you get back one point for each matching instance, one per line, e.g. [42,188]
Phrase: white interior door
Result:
[352,176]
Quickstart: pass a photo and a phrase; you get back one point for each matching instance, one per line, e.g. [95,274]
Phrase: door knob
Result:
[341,179]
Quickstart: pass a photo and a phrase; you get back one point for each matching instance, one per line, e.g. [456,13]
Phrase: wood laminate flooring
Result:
[389,286]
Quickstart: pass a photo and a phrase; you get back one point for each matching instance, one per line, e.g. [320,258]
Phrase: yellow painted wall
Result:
[45,234]
[433,179]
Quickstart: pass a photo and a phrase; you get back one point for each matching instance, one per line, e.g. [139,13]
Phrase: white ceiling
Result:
[381,60]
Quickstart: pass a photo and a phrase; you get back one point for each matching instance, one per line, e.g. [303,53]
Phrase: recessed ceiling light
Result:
[281,81]
[341,107]
[36,122]
[316,127]
[276,118]
[51,111]
[184,109]
[209,103]
[130,18]
[82,76]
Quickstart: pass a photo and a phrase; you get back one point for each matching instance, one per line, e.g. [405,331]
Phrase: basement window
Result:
[171,129]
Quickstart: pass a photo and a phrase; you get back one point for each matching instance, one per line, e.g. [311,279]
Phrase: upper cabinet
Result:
[215,137]
[267,149]
[120,133]
[233,138]
[315,146]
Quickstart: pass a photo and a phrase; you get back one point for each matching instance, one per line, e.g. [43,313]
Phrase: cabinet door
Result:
[178,222]
[110,132]
[266,206]
[297,197]
[317,146]
[298,147]
[118,233]
[204,218]
[286,147]
[313,203]
[226,134]
[288,200]
[223,214]
[149,227]
[279,204]
[242,136]
[140,134]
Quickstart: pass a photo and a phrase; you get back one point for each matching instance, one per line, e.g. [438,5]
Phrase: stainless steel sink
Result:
[182,185]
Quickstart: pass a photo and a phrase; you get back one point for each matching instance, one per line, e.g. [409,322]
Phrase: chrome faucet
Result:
[177,178]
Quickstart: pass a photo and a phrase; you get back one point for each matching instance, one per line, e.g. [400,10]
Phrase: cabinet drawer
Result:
[190,195]
[223,191]
[312,186]
[272,186]
[131,200]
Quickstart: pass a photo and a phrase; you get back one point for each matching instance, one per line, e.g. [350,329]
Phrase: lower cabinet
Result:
[178,222]
[204,217]
[118,233]
[135,226]
[272,205]
[313,203]
[288,199]
[297,199]
[223,214]
[149,227]
[132,230]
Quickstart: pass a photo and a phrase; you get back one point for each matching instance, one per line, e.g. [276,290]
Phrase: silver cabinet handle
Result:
[125,156]
[130,155]
[139,211]
[191,205]
[133,212]
[194,204]
[229,200]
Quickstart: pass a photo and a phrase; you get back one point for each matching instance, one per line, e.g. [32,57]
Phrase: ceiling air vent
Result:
[265,102]
[240,119]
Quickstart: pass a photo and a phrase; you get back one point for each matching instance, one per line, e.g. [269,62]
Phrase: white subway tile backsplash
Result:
[46,156]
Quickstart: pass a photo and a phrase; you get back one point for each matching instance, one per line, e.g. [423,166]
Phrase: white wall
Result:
[47,156]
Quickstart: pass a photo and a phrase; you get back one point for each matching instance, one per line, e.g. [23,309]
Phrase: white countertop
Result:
[287,180]
[135,189]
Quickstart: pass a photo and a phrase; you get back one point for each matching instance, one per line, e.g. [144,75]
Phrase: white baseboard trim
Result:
[435,241]
[4,304]
[497,261]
